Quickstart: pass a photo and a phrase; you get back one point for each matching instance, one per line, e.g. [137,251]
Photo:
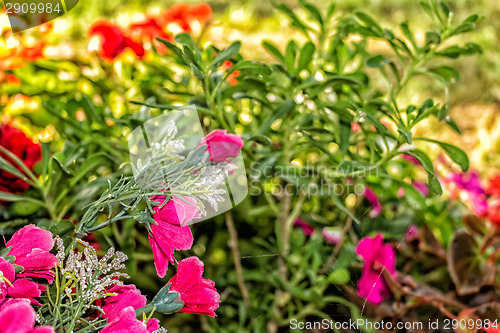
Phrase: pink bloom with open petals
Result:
[221,145]
[198,294]
[17,316]
[127,295]
[377,256]
[31,246]
[17,288]
[177,211]
[171,233]
[126,322]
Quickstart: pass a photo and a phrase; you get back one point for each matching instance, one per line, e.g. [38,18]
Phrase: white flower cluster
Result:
[91,276]
[212,179]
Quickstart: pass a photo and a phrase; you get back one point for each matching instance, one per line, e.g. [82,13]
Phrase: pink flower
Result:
[373,199]
[17,316]
[467,186]
[127,295]
[171,232]
[126,322]
[177,211]
[306,228]
[421,187]
[377,256]
[31,246]
[221,145]
[17,288]
[331,235]
[198,294]
[411,233]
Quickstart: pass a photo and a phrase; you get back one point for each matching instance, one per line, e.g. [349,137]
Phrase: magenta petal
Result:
[198,294]
[7,269]
[16,316]
[153,325]
[24,288]
[126,322]
[28,238]
[126,296]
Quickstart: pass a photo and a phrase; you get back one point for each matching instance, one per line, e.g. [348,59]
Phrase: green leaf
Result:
[172,47]
[445,73]
[425,6]
[370,23]
[405,134]
[313,10]
[281,111]
[196,71]
[426,162]
[445,9]
[295,20]
[432,37]
[463,28]
[414,198]
[64,229]
[291,55]
[468,270]
[6,166]
[45,159]
[456,154]
[377,61]
[306,56]
[406,31]
[271,48]
[6,196]
[225,54]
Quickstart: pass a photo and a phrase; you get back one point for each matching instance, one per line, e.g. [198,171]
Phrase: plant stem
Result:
[233,244]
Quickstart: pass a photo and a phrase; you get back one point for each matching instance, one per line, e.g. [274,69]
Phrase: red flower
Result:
[114,41]
[494,211]
[231,78]
[29,152]
[198,294]
[494,186]
[183,14]
[148,31]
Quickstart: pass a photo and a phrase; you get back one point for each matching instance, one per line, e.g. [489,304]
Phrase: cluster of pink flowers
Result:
[28,249]
[483,201]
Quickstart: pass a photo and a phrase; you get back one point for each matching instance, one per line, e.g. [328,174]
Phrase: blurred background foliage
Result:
[474,102]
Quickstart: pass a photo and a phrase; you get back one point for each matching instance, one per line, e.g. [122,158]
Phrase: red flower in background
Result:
[231,78]
[198,294]
[494,186]
[29,152]
[148,31]
[114,41]
[184,15]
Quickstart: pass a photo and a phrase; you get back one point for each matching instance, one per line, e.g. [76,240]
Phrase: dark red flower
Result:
[114,41]
[198,294]
[29,152]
